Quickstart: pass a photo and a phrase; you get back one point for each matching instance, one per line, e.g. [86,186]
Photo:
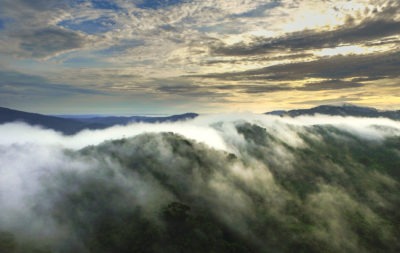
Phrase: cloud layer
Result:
[242,183]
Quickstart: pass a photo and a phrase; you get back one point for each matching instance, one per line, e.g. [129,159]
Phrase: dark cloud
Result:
[338,100]
[318,86]
[190,90]
[368,30]
[372,65]
[31,28]
[49,41]
[13,82]
[258,59]
[330,85]
[379,65]
[179,88]
[19,90]
[367,79]
[219,90]
[93,26]
[382,42]
[37,5]
[252,89]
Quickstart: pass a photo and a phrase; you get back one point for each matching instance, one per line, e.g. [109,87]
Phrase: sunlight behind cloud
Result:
[314,15]
[346,50]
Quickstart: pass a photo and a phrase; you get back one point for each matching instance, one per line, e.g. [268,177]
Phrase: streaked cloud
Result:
[311,40]
[371,66]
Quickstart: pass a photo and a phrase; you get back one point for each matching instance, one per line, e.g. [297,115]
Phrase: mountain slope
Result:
[284,188]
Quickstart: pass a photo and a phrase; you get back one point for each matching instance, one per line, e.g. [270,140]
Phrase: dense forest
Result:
[285,188]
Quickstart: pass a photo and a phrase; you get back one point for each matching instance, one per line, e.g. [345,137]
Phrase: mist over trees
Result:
[313,184]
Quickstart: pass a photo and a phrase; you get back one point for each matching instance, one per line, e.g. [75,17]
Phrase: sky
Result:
[175,56]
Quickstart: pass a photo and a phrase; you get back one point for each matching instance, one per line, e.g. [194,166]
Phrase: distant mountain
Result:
[66,126]
[345,110]
[71,125]
[113,120]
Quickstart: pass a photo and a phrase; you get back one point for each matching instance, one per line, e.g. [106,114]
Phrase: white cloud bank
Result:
[210,129]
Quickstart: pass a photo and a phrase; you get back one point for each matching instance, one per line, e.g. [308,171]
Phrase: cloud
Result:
[148,49]
[378,65]
[34,31]
[200,130]
[311,40]
[39,5]
[223,90]
[33,85]
[304,180]
[93,26]
[188,90]
[254,89]
[85,138]
[50,41]
[22,90]
[330,85]
[260,58]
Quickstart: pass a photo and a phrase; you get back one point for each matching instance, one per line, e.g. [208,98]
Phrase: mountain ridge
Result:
[70,126]
[344,110]
[74,124]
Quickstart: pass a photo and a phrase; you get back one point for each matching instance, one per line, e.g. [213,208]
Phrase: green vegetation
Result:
[162,193]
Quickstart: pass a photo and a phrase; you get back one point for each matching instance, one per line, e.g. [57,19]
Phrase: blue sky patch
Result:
[97,4]
[104,4]
[259,11]
[4,22]
[121,47]
[157,4]
[94,26]
[78,62]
